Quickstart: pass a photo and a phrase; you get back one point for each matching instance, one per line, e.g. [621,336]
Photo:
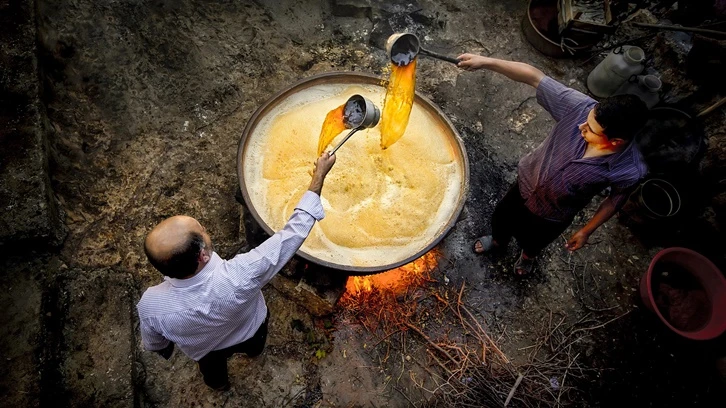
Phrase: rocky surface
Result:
[147,102]
[28,211]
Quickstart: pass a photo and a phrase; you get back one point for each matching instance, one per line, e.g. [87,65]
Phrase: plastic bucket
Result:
[709,278]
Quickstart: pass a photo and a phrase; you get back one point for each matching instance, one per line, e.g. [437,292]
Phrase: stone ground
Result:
[147,101]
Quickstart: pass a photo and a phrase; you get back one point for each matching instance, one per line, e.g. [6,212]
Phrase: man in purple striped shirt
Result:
[212,308]
[588,150]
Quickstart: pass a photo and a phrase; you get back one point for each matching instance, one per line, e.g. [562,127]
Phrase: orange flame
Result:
[395,281]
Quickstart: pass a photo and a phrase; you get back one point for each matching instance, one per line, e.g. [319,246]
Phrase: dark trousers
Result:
[213,366]
[512,218]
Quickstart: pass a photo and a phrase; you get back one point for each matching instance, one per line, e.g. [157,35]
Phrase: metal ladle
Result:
[402,48]
[359,113]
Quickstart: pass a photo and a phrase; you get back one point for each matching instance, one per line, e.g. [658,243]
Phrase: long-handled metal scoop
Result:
[402,48]
[359,113]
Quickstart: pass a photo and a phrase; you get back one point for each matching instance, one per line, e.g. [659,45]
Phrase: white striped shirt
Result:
[222,305]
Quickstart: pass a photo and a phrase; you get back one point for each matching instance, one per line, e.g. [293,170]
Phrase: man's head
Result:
[615,120]
[178,247]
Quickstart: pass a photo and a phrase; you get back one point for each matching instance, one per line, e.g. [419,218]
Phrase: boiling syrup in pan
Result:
[381,206]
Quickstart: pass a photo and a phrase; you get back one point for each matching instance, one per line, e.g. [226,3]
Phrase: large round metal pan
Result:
[354,78]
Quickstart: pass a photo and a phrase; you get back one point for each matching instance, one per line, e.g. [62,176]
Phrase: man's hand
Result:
[472,62]
[578,240]
[322,166]
[166,351]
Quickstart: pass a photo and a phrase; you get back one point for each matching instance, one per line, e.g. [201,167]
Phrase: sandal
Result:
[487,244]
[523,266]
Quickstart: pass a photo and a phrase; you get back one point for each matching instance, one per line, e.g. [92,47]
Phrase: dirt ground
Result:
[148,100]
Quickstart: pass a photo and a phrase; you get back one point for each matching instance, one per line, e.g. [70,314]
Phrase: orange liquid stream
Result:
[332,127]
[398,103]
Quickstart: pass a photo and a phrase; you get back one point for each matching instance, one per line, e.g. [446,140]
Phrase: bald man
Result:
[212,308]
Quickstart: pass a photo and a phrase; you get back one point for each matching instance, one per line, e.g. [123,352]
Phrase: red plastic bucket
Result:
[710,279]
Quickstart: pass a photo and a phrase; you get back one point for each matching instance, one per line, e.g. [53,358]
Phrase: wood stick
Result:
[600,325]
[385,337]
[461,292]
[405,396]
[564,377]
[712,107]
[514,388]
[441,365]
[494,346]
[679,28]
[465,324]
[440,299]
[436,346]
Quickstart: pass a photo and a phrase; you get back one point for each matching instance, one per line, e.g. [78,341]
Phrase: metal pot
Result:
[539,26]
[354,78]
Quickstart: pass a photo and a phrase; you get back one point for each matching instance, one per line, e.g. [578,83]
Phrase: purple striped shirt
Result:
[222,305]
[555,180]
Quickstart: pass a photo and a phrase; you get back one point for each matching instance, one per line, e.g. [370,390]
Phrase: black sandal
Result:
[487,244]
[523,266]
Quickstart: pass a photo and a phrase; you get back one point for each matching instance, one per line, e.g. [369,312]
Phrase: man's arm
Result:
[556,98]
[517,71]
[606,210]
[154,341]
[270,257]
[614,202]
[322,166]
[617,198]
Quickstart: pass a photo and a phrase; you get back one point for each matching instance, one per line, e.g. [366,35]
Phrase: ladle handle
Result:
[344,140]
[439,56]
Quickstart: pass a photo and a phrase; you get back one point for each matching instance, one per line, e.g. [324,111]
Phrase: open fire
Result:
[395,281]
